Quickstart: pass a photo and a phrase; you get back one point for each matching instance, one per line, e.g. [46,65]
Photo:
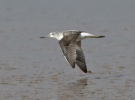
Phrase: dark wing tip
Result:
[85,71]
[82,66]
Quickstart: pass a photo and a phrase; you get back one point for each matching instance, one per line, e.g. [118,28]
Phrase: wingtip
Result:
[84,70]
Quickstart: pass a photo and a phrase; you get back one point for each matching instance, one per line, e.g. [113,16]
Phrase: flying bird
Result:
[70,43]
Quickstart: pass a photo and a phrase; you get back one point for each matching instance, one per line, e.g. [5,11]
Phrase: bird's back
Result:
[69,35]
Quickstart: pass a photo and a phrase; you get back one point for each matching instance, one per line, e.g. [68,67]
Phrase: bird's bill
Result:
[45,36]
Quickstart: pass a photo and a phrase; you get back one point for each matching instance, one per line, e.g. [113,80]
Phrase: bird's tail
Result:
[96,36]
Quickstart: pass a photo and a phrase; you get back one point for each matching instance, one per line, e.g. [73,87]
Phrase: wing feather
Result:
[69,48]
[80,59]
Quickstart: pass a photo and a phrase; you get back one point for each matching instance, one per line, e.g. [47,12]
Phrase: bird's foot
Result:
[89,72]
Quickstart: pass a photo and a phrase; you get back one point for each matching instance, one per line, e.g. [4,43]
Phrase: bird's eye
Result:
[51,34]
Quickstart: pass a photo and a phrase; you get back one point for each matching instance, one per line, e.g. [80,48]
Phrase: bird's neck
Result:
[59,36]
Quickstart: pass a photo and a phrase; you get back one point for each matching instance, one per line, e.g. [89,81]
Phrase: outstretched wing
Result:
[80,58]
[69,53]
[69,48]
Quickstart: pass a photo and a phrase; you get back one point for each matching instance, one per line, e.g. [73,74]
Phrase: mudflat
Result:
[35,69]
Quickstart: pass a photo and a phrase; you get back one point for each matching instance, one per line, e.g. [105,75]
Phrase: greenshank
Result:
[70,43]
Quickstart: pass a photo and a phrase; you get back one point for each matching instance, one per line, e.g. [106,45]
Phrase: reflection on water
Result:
[72,90]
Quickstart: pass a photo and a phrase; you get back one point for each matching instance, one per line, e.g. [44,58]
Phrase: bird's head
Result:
[52,34]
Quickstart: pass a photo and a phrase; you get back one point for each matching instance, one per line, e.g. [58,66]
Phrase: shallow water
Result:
[35,69]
